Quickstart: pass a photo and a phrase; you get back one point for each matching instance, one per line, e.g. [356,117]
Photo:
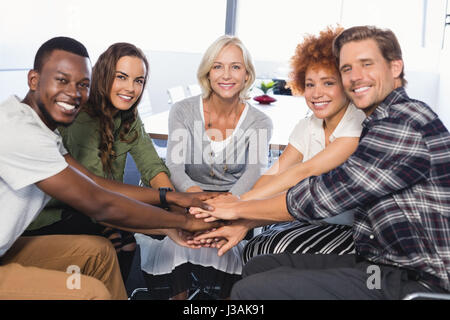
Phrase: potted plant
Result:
[266,87]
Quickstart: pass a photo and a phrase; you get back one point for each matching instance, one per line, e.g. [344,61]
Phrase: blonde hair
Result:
[208,61]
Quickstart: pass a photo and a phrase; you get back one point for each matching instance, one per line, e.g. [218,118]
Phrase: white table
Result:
[285,113]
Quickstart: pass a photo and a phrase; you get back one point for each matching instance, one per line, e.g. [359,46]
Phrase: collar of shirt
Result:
[398,95]
[318,132]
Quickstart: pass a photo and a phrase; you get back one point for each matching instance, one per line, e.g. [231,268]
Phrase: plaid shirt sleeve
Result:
[390,157]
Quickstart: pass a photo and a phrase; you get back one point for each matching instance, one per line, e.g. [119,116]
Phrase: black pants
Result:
[324,277]
[181,279]
[72,222]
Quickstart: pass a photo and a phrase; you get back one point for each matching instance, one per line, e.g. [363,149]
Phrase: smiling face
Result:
[367,77]
[228,74]
[128,82]
[324,93]
[60,88]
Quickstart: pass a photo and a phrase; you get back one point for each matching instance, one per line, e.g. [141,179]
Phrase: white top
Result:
[163,256]
[218,146]
[308,138]
[30,152]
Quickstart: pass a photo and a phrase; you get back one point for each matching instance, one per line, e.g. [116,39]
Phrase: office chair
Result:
[194,89]
[427,296]
[176,94]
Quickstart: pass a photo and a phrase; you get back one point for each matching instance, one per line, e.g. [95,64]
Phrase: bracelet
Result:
[162,197]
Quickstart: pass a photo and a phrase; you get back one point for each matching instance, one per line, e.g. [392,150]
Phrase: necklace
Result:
[209,125]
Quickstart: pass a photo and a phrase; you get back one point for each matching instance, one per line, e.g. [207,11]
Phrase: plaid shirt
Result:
[398,182]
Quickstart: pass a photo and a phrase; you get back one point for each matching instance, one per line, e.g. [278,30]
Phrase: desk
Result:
[285,113]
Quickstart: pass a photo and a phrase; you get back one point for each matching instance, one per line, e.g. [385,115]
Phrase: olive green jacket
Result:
[82,139]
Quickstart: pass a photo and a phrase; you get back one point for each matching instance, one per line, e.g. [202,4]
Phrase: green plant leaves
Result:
[266,86]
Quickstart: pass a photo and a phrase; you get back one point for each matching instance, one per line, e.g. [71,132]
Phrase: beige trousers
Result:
[61,267]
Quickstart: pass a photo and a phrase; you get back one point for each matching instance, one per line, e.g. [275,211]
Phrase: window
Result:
[169,25]
[403,17]
[152,25]
[271,29]
[446,40]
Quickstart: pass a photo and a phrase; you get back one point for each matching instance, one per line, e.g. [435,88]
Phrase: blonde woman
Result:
[217,141]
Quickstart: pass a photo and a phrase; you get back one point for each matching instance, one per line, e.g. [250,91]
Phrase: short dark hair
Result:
[386,40]
[58,43]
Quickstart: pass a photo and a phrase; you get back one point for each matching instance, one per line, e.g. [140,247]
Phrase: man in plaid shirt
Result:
[398,180]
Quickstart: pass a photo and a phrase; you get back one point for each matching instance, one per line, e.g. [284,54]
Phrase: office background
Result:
[175,33]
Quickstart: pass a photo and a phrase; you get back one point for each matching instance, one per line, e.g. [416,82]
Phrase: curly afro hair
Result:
[314,51]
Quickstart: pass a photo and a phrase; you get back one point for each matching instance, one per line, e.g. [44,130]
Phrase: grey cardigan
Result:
[235,169]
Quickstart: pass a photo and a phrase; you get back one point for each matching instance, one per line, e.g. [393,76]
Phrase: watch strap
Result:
[162,197]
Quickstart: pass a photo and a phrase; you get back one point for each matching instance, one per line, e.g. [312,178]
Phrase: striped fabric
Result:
[398,180]
[300,237]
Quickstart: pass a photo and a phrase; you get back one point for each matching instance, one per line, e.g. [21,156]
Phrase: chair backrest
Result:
[176,94]
[427,296]
[160,144]
[145,106]
[275,151]
[194,89]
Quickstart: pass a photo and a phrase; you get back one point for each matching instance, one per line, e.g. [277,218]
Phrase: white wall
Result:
[13,82]
[169,69]
[443,104]
[170,25]
[427,68]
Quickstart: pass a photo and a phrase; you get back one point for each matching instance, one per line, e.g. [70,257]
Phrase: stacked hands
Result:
[214,208]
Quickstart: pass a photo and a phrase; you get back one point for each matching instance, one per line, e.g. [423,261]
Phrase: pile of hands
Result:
[220,207]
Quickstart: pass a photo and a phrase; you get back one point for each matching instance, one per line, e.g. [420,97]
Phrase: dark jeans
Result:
[72,222]
[181,279]
[324,277]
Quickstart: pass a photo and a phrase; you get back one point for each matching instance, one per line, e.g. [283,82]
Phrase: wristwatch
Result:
[162,197]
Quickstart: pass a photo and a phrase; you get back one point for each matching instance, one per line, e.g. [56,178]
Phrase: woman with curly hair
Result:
[317,144]
[105,131]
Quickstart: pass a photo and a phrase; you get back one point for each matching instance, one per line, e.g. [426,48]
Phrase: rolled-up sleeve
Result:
[390,159]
